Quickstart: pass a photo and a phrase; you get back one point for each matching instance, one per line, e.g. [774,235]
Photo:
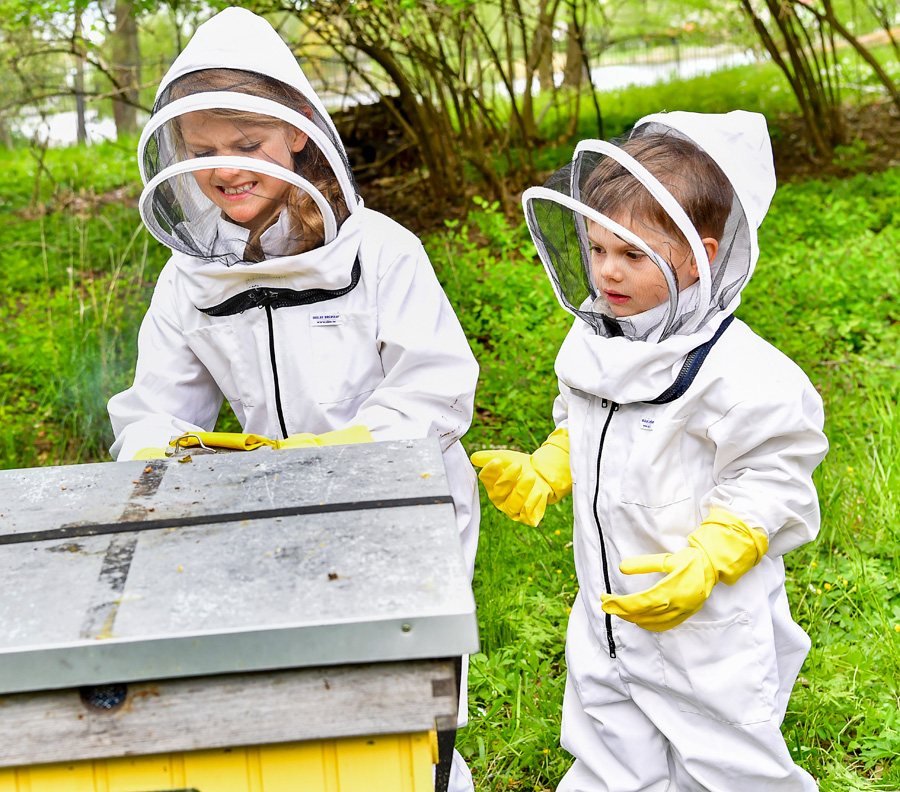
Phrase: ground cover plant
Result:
[78,270]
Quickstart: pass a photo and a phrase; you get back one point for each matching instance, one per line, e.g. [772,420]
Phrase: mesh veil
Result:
[603,185]
[240,167]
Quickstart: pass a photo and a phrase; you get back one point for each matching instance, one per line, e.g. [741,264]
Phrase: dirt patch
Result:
[84,203]
[873,146]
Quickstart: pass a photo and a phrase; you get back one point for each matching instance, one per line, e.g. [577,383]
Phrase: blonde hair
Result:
[307,227]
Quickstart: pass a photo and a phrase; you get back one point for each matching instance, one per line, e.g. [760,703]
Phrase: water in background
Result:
[60,129]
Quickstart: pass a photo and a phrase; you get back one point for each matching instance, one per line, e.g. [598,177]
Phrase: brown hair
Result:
[307,224]
[685,170]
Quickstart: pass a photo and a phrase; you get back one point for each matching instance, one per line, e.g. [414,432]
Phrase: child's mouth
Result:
[236,192]
[615,298]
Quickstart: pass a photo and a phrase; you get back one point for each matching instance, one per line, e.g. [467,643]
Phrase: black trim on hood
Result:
[281,298]
[691,367]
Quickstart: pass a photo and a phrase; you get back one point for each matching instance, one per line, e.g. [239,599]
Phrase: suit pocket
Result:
[654,475]
[217,347]
[716,669]
[345,355]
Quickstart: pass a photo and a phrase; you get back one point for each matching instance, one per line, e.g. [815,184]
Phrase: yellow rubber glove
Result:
[348,436]
[522,485]
[722,549]
[234,441]
[150,453]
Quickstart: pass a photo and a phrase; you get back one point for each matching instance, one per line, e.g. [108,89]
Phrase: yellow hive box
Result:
[399,762]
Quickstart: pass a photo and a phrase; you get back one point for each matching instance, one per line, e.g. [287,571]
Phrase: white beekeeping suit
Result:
[671,413]
[305,325]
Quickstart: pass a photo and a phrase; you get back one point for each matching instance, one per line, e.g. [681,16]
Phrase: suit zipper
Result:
[284,431]
[264,298]
[613,407]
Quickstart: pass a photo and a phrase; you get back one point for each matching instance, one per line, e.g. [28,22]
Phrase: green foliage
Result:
[497,284]
[761,88]
[834,241]
[844,589]
[72,290]
[758,87]
[65,175]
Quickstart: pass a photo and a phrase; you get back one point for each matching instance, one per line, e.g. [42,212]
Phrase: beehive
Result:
[270,620]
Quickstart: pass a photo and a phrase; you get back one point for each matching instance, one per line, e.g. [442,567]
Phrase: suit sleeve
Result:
[430,372]
[172,393]
[766,452]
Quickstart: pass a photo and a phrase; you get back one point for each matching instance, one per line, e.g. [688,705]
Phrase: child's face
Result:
[246,197]
[628,278]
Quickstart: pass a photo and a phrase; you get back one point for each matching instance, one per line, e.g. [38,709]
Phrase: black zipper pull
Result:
[262,298]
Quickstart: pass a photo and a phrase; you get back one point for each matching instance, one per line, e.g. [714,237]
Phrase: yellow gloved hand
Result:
[235,441]
[348,436]
[150,453]
[522,485]
[722,549]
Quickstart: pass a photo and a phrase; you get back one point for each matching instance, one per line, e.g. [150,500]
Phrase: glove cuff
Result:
[551,463]
[235,441]
[732,547]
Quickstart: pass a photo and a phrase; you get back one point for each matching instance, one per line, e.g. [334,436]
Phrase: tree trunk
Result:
[802,78]
[534,51]
[543,44]
[864,53]
[574,56]
[126,67]
[80,125]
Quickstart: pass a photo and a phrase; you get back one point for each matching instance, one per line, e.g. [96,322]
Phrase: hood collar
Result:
[213,282]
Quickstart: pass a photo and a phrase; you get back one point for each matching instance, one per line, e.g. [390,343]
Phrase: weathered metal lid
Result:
[234,562]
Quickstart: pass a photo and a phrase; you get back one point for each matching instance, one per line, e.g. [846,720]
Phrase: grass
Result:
[78,274]
[76,279]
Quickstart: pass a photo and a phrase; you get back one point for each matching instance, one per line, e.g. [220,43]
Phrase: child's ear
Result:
[298,139]
[712,248]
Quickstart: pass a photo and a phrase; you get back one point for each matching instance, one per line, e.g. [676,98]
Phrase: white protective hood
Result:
[643,362]
[239,39]
[179,211]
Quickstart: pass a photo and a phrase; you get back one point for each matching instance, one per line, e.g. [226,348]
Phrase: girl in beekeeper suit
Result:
[319,320]
[688,444]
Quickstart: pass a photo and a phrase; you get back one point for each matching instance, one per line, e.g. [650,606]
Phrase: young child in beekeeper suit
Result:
[688,444]
[320,321]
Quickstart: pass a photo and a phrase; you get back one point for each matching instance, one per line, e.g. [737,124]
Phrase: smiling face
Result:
[249,199]
[628,278]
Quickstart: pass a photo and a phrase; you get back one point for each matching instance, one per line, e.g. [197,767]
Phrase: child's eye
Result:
[250,147]
[205,153]
[635,255]
[597,249]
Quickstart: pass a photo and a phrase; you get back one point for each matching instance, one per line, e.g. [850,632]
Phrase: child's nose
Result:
[610,268]
[227,173]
